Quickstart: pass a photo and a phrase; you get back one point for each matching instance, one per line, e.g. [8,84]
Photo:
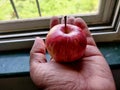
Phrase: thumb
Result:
[37,53]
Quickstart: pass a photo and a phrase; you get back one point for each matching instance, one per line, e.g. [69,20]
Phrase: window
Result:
[17,9]
[104,24]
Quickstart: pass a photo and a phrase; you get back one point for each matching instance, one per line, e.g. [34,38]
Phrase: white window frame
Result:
[20,34]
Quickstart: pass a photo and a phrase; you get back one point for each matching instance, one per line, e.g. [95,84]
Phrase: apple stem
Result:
[65,20]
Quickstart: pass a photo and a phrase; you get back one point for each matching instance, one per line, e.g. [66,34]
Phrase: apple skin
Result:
[66,44]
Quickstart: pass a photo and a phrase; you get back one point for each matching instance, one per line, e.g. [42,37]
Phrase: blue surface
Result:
[111,52]
[13,62]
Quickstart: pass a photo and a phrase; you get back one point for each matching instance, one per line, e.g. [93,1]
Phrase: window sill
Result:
[17,62]
[14,67]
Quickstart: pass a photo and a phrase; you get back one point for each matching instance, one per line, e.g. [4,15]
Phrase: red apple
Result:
[66,43]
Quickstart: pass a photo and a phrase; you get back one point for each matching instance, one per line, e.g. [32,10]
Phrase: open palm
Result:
[89,73]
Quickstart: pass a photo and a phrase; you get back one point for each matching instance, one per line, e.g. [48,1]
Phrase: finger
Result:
[62,20]
[70,20]
[81,23]
[37,53]
[92,51]
[52,60]
[54,21]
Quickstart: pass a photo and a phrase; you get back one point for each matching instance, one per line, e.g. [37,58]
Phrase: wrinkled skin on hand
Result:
[90,73]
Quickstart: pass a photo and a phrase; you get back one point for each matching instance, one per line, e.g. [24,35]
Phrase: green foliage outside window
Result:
[28,8]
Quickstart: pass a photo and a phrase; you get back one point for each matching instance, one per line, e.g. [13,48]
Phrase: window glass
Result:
[63,7]
[29,8]
[6,11]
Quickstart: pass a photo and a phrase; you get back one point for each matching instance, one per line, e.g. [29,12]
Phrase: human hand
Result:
[90,73]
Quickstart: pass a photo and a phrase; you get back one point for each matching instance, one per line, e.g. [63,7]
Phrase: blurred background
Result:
[44,8]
